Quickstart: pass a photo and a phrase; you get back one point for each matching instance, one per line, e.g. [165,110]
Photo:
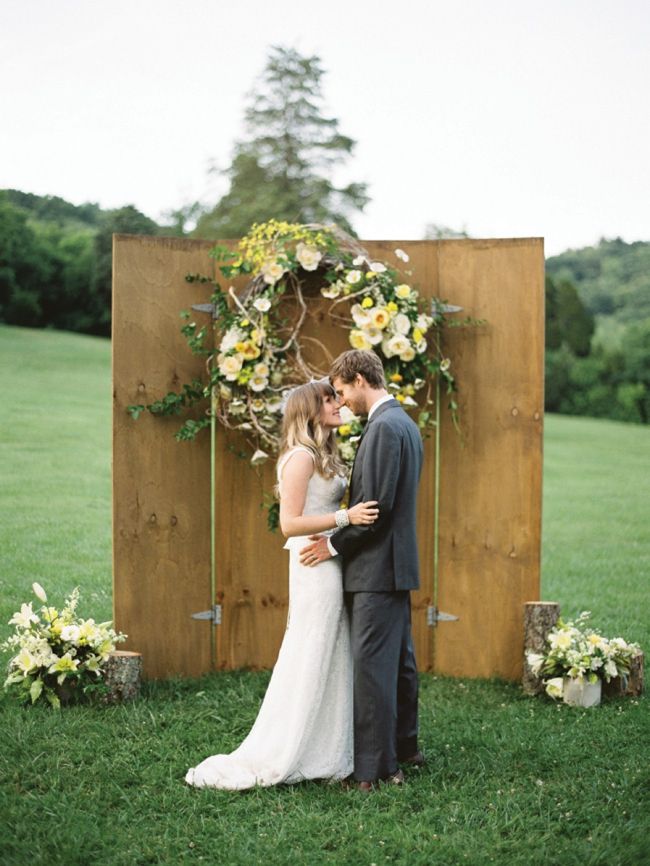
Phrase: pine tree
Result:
[283,168]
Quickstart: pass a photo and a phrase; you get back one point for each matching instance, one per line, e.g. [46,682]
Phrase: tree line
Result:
[55,257]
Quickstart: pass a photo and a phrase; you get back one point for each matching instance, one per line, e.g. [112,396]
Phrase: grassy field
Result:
[509,779]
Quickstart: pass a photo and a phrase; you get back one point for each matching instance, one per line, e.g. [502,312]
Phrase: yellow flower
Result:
[392,306]
[380,318]
[345,430]
[244,323]
[400,397]
[410,390]
[366,303]
[250,351]
[239,347]
[417,335]
[403,291]
[359,340]
[396,377]
[370,275]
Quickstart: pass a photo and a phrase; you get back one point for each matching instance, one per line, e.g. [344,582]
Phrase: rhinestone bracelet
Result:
[342,518]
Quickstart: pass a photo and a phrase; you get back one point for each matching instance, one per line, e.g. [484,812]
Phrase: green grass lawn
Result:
[509,779]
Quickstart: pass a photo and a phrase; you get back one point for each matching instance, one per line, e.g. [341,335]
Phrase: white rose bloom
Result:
[274,406]
[374,335]
[402,323]
[408,354]
[359,340]
[258,383]
[385,347]
[308,257]
[261,369]
[398,344]
[353,277]
[361,317]
[359,260]
[402,255]
[271,271]
[421,346]
[423,323]
[377,267]
[262,305]
[332,291]
[231,366]
[231,338]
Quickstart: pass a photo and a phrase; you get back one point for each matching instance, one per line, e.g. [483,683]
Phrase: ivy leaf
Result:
[135,411]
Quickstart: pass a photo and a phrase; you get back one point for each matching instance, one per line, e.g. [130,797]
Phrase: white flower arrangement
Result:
[53,648]
[575,650]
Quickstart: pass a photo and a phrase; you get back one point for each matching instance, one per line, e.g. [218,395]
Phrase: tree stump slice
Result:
[123,676]
[539,618]
[630,686]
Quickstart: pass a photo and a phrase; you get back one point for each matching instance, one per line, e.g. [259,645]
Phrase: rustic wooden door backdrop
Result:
[490,480]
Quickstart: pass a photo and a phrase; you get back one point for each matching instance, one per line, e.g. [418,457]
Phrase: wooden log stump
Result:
[539,619]
[122,675]
[630,686]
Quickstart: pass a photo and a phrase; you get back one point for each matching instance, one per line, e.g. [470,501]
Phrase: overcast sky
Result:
[506,117]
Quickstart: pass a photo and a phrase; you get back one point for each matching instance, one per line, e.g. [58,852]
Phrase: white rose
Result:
[261,369]
[231,338]
[353,277]
[402,323]
[359,340]
[308,257]
[423,323]
[231,366]
[408,354]
[377,267]
[361,317]
[374,335]
[272,271]
[358,261]
[262,305]
[332,291]
[421,346]
[398,344]
[258,383]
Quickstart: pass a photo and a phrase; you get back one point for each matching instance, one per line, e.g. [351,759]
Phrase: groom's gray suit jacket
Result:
[383,557]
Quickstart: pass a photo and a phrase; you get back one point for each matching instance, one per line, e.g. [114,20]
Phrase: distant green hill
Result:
[612,278]
[53,209]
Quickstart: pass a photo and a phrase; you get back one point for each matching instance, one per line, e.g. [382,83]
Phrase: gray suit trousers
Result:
[385,682]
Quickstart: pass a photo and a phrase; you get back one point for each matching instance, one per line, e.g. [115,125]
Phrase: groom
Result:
[380,566]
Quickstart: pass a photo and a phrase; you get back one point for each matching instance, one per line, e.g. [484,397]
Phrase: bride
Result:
[304,726]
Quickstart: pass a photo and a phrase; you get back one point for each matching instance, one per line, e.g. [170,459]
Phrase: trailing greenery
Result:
[509,779]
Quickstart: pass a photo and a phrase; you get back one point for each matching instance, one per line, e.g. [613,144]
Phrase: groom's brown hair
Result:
[354,361]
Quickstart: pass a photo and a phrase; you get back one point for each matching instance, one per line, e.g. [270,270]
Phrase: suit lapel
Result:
[389,404]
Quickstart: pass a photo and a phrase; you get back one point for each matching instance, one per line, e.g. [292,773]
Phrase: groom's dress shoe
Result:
[416,760]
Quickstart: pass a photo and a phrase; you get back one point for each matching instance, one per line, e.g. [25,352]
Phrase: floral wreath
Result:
[259,355]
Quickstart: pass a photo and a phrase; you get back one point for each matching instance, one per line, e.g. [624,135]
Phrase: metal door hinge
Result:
[214,614]
[434,616]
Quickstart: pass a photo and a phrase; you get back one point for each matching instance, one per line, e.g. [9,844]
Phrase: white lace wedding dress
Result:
[304,726]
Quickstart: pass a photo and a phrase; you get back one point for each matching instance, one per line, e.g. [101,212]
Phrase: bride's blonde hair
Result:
[302,426]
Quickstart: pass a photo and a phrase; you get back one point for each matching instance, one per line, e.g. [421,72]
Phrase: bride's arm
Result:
[295,477]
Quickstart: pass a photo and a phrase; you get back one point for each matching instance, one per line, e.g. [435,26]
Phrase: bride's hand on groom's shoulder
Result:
[364,513]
